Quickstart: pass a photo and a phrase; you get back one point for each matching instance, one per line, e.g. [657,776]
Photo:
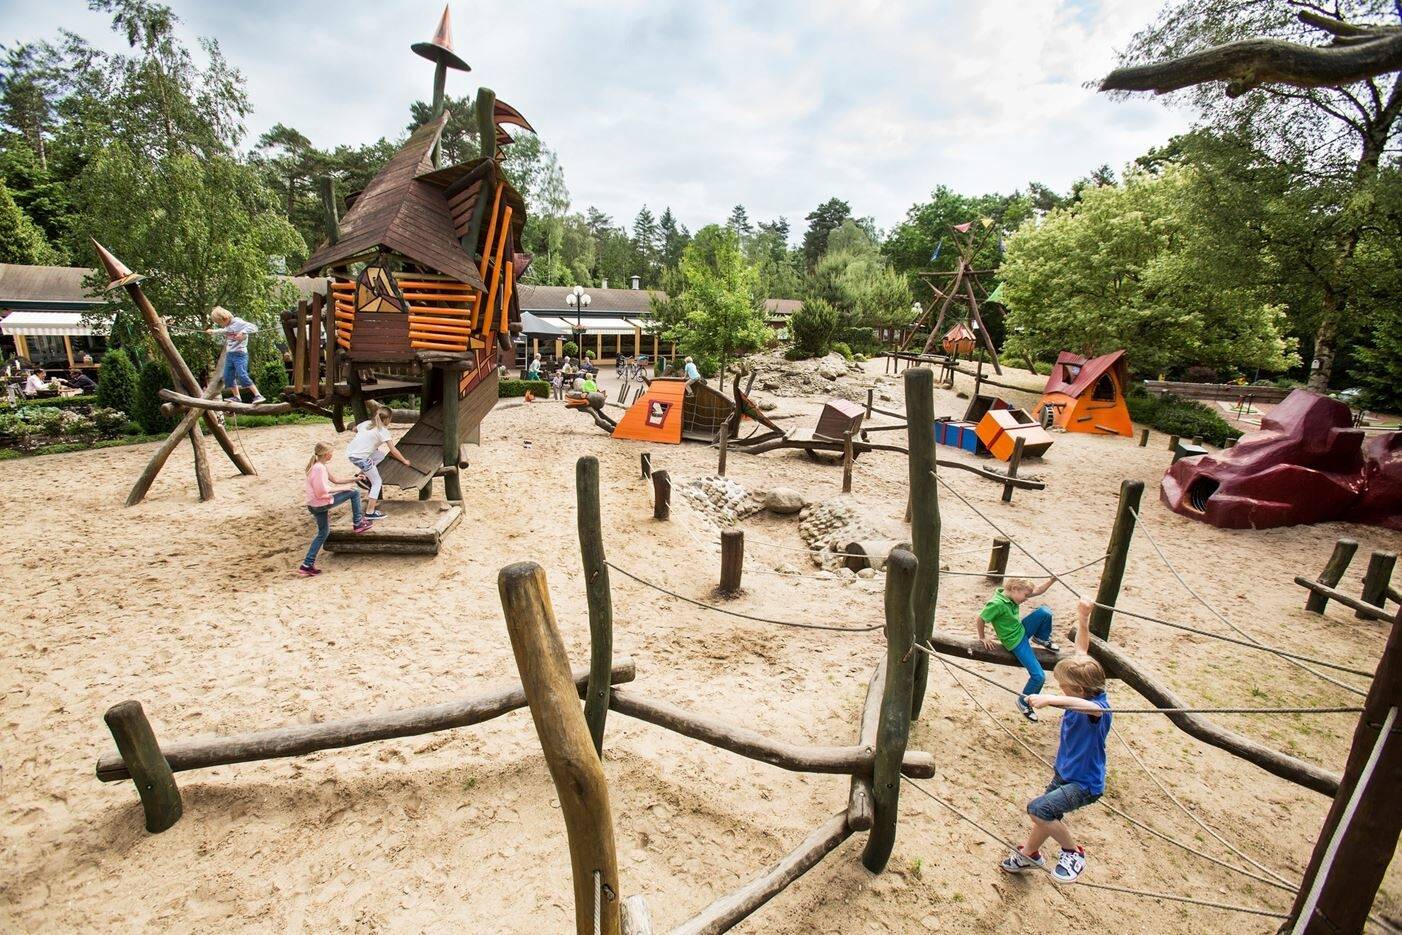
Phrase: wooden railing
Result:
[1218,391]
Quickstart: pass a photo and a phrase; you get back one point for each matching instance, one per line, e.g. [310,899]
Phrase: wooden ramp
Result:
[423,443]
[413,527]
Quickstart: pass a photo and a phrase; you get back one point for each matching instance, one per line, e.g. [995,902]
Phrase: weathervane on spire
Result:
[439,51]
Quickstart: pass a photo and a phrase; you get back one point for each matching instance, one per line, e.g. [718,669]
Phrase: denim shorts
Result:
[1062,796]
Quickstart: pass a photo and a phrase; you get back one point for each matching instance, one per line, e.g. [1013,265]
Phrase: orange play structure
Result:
[657,416]
[1087,395]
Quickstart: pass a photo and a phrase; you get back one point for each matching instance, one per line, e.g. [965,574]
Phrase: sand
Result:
[193,610]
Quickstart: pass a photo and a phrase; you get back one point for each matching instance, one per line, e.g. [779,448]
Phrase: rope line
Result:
[1139,520]
[1226,907]
[1111,808]
[735,613]
[1013,691]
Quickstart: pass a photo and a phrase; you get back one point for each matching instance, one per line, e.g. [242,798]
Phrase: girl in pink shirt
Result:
[321,498]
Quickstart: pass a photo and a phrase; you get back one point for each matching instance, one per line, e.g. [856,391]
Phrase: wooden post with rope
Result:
[1360,832]
[1144,439]
[599,595]
[1333,572]
[998,559]
[732,560]
[1376,579]
[847,461]
[646,465]
[924,509]
[893,729]
[564,738]
[724,444]
[661,495]
[1014,463]
[1112,573]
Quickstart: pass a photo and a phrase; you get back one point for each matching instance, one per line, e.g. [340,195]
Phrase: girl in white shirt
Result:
[368,449]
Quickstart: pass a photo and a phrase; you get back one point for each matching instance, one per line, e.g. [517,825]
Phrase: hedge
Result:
[64,402]
[507,389]
[1174,415]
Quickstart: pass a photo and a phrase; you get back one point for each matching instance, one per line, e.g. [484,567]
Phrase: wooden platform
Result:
[423,443]
[413,527]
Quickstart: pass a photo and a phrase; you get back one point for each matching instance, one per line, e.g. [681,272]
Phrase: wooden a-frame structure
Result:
[961,285]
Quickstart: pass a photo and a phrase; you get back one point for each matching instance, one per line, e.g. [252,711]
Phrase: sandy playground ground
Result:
[193,610]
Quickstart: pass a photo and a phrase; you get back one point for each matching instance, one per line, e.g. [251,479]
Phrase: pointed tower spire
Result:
[117,271]
[439,49]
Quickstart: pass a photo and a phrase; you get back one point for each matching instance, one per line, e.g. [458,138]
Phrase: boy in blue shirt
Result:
[1079,775]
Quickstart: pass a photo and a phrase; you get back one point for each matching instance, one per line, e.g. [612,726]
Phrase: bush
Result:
[570,349]
[273,380]
[841,348]
[1185,418]
[813,326]
[794,353]
[116,382]
[59,402]
[154,378]
[509,389]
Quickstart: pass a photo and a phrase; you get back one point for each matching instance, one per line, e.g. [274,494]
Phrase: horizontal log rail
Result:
[226,405]
[849,761]
[1224,392]
[303,739]
[1370,611]
[1119,665]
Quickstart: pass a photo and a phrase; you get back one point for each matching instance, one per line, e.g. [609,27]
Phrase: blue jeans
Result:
[322,515]
[1062,796]
[1038,625]
[236,370]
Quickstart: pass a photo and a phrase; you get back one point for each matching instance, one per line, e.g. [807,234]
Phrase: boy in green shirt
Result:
[1017,635]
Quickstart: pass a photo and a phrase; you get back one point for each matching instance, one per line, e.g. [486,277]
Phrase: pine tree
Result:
[822,221]
[647,245]
[739,222]
[674,237]
[116,382]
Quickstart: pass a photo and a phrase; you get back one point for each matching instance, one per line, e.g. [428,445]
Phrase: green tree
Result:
[813,328]
[154,378]
[674,236]
[822,221]
[21,240]
[1333,140]
[714,316]
[739,222]
[1141,266]
[116,382]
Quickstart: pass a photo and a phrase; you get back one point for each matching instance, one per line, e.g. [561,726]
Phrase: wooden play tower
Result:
[959,286]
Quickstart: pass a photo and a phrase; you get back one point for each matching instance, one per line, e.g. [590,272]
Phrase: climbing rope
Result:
[734,613]
[1013,691]
[1139,520]
[1120,812]
[1226,907]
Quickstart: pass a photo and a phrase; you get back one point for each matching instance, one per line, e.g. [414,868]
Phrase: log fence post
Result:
[150,773]
[732,560]
[646,465]
[1360,832]
[1173,443]
[299,349]
[1144,439]
[924,509]
[661,495]
[998,559]
[203,481]
[1334,569]
[1014,463]
[871,397]
[1112,573]
[452,481]
[724,445]
[847,461]
[1376,579]
[893,729]
[564,738]
[599,595]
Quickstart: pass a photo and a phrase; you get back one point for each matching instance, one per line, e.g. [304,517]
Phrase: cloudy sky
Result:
[777,106]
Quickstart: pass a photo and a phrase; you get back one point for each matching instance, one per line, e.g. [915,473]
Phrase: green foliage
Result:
[60,402]
[1173,415]
[1379,364]
[841,348]
[570,349]
[1140,266]
[813,327]
[116,382]
[154,377]
[507,389]
[822,221]
[714,315]
[272,379]
[21,240]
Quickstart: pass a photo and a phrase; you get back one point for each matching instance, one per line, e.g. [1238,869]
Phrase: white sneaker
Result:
[256,400]
[1069,866]
[1017,862]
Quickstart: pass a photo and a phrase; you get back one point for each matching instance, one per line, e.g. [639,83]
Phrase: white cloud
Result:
[776,106]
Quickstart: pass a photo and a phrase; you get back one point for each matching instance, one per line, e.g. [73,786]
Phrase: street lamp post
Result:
[578,300]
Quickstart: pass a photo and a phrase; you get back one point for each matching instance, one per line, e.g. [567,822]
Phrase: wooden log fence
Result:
[661,495]
[599,595]
[732,560]
[1014,463]
[924,509]
[1333,573]
[847,461]
[147,767]
[998,559]
[1363,610]
[1112,573]
[1376,580]
[860,811]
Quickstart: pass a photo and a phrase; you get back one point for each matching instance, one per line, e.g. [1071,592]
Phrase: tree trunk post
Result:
[647,465]
[203,481]
[893,729]
[1112,573]
[847,461]
[357,395]
[1338,563]
[1376,579]
[150,773]
[1173,443]
[452,481]
[732,560]
[1144,439]
[871,397]
[564,737]
[188,423]
[724,444]
[998,559]
[1014,463]
[1360,833]
[661,495]
[599,595]
[925,514]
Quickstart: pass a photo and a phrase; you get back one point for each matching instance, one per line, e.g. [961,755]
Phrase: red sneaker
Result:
[363,526]
[308,571]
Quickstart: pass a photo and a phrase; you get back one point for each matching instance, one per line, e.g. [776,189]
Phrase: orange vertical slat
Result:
[496,263]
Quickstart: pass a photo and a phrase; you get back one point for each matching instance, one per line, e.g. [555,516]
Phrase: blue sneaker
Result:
[1017,862]
[375,514]
[1026,709]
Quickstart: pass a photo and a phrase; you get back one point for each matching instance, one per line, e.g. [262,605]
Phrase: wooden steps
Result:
[413,527]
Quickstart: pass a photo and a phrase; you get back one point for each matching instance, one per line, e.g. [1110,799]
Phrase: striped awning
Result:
[53,324]
[608,326]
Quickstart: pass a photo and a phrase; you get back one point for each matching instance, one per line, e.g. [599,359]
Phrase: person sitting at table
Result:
[81,381]
[36,383]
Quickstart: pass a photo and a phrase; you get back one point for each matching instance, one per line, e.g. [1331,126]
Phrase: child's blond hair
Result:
[321,448]
[380,414]
[222,315]
[1080,674]
[1017,584]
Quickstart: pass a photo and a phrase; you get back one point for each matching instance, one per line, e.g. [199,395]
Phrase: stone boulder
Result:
[783,500]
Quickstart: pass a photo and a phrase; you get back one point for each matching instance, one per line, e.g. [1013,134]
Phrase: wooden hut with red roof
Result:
[1087,395]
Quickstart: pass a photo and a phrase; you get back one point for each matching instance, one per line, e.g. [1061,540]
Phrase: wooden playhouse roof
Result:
[415,210]
[1073,374]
